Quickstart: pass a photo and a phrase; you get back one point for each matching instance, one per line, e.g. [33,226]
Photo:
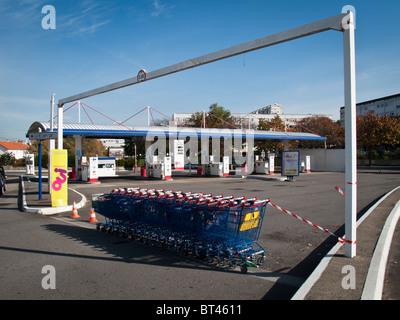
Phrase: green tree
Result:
[275,124]
[324,127]
[388,131]
[91,147]
[366,133]
[7,159]
[33,148]
[216,117]
[374,131]
[129,147]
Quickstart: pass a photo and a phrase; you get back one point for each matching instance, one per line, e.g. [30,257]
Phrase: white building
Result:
[18,149]
[113,143]
[389,105]
[270,109]
[115,147]
[266,113]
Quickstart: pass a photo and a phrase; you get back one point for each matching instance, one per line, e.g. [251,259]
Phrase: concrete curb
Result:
[318,271]
[376,273]
[52,210]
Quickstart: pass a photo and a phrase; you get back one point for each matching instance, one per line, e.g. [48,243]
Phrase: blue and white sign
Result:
[290,163]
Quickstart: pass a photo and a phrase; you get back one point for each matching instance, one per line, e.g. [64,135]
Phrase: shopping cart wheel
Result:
[261,260]
[243,268]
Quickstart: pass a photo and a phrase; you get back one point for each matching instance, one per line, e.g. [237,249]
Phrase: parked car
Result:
[3,180]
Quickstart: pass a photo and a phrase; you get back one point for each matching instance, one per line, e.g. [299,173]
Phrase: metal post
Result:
[135,158]
[350,135]
[79,152]
[60,127]
[79,112]
[40,168]
[51,141]
[52,112]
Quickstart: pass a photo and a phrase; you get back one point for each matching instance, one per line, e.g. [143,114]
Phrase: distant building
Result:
[389,105]
[270,109]
[113,143]
[115,147]
[18,149]
[266,113]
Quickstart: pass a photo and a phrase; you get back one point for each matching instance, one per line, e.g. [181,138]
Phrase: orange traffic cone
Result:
[92,216]
[74,212]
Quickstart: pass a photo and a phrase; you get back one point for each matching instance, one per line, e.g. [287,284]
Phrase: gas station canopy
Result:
[98,131]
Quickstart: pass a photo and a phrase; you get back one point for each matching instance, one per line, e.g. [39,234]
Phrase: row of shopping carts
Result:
[222,230]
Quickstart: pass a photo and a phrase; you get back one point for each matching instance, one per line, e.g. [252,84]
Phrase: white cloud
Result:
[88,29]
[20,14]
[86,17]
[160,9]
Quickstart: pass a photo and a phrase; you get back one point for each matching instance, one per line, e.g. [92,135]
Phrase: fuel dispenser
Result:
[93,169]
[220,169]
[30,164]
[159,168]
[262,166]
[83,169]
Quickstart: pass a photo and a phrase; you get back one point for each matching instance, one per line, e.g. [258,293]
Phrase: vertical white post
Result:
[79,112]
[52,112]
[148,116]
[52,142]
[350,135]
[60,127]
[135,159]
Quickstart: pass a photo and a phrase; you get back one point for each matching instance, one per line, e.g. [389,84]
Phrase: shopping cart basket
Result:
[223,230]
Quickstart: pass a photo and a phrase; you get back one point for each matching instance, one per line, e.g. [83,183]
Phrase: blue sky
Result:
[99,42]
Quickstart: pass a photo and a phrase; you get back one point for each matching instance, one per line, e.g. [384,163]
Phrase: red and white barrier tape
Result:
[340,239]
[340,191]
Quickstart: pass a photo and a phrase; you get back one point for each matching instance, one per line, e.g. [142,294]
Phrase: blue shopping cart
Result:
[222,230]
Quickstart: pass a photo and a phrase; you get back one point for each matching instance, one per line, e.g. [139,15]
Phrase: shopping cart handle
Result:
[262,201]
[252,199]
[228,197]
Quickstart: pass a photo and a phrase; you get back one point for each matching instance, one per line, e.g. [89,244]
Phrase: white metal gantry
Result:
[343,23]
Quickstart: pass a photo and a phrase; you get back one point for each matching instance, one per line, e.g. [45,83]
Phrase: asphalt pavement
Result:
[335,277]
